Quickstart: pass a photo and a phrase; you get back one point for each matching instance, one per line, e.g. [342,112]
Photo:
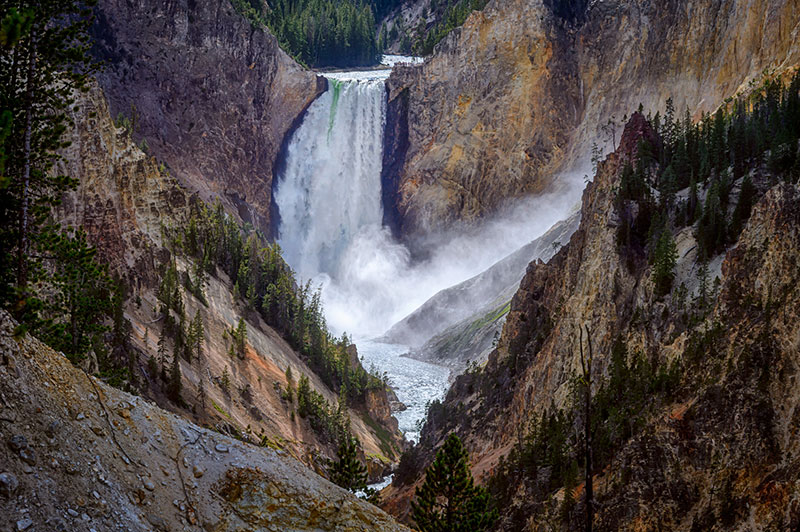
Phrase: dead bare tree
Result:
[586,381]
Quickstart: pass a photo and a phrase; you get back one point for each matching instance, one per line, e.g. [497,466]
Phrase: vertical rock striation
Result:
[519,92]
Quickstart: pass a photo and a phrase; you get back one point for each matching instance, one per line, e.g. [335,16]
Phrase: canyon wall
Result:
[212,96]
[720,454]
[519,92]
[128,204]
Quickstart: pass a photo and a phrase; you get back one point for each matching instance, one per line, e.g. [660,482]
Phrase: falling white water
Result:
[330,189]
[329,200]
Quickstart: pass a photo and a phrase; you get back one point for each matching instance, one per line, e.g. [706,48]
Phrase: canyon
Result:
[451,222]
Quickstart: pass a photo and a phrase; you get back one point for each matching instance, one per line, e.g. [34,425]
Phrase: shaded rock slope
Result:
[124,201]
[721,452]
[212,96]
[457,325]
[517,94]
[79,455]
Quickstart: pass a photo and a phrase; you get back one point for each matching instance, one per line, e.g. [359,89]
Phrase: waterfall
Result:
[329,199]
[330,189]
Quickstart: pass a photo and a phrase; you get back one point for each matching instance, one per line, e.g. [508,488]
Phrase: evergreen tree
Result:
[743,207]
[44,63]
[448,499]
[289,395]
[666,257]
[348,472]
[711,230]
[225,381]
[240,338]
[194,338]
[175,386]
[80,298]
[303,392]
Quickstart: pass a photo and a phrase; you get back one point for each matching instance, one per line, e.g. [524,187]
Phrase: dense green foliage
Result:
[760,130]
[44,64]
[321,32]
[666,257]
[347,471]
[331,424]
[79,298]
[449,500]
[51,279]
[265,284]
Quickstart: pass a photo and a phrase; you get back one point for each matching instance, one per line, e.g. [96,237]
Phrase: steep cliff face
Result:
[127,202]
[123,197]
[81,455]
[486,114]
[212,96]
[519,92]
[720,453]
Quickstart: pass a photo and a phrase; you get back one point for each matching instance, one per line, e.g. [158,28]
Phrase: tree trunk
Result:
[587,429]
[22,264]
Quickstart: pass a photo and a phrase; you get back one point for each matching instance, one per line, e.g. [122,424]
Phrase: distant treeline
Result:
[449,14]
[322,32]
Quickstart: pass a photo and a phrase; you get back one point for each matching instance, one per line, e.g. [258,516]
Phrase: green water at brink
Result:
[337,89]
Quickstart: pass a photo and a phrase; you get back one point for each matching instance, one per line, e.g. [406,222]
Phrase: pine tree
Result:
[240,338]
[80,298]
[703,290]
[745,204]
[174,386]
[303,392]
[711,230]
[448,499]
[348,472]
[225,381]
[44,63]
[666,257]
[289,395]
[194,338]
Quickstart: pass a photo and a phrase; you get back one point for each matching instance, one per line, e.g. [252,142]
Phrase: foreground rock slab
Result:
[147,469]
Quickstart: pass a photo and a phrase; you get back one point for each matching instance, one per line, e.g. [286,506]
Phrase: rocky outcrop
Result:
[212,96]
[124,197]
[517,95]
[721,454]
[80,455]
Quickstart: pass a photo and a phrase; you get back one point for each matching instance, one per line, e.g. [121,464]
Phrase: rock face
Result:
[212,96]
[123,196]
[722,454]
[456,326]
[124,201]
[115,460]
[518,93]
